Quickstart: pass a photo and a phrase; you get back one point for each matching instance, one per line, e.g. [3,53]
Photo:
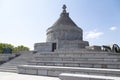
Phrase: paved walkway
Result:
[15,76]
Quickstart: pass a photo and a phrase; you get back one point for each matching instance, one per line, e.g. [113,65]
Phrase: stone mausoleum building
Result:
[63,34]
[66,55]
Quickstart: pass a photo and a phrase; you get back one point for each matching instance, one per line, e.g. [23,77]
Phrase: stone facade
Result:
[74,44]
[43,47]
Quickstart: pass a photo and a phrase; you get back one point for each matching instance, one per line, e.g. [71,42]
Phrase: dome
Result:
[64,29]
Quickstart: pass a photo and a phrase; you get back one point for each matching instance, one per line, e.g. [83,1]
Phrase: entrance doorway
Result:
[53,47]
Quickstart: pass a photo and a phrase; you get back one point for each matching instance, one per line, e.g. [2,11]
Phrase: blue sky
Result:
[24,22]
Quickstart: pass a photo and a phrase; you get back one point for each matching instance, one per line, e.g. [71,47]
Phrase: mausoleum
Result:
[63,34]
[66,55]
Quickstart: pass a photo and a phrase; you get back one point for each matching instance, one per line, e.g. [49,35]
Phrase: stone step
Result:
[8,66]
[7,57]
[20,60]
[71,76]
[77,55]
[56,70]
[53,58]
[4,70]
[8,69]
[88,62]
[91,64]
[76,52]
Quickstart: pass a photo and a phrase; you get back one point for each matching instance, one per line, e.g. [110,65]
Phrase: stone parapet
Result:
[55,70]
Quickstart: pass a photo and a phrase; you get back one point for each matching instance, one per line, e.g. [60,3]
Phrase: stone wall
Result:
[43,47]
[76,44]
[60,44]
[63,33]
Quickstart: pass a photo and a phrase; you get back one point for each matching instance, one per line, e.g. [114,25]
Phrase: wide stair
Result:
[11,66]
[77,61]
[78,58]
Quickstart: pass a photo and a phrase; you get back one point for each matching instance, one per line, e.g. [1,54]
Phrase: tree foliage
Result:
[21,48]
[14,49]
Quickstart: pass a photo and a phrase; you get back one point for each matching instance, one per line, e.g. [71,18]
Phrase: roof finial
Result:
[64,8]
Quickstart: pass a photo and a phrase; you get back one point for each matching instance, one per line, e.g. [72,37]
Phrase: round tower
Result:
[64,29]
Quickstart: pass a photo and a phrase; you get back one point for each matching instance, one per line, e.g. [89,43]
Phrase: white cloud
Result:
[93,34]
[113,28]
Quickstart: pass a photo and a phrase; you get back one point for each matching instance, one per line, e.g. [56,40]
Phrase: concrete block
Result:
[58,64]
[54,72]
[50,64]
[47,59]
[108,60]
[68,59]
[95,59]
[57,59]
[70,65]
[31,71]
[61,55]
[51,73]
[97,66]
[21,70]
[40,64]
[86,65]
[42,72]
[112,66]
[32,63]
[118,66]
[80,59]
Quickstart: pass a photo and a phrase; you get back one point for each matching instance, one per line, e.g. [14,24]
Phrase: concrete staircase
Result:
[11,66]
[77,62]
[7,57]
[82,58]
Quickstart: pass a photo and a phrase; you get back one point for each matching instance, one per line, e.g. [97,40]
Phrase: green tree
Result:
[21,48]
[2,45]
[14,49]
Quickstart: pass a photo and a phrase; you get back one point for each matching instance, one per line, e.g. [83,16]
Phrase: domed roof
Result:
[65,22]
